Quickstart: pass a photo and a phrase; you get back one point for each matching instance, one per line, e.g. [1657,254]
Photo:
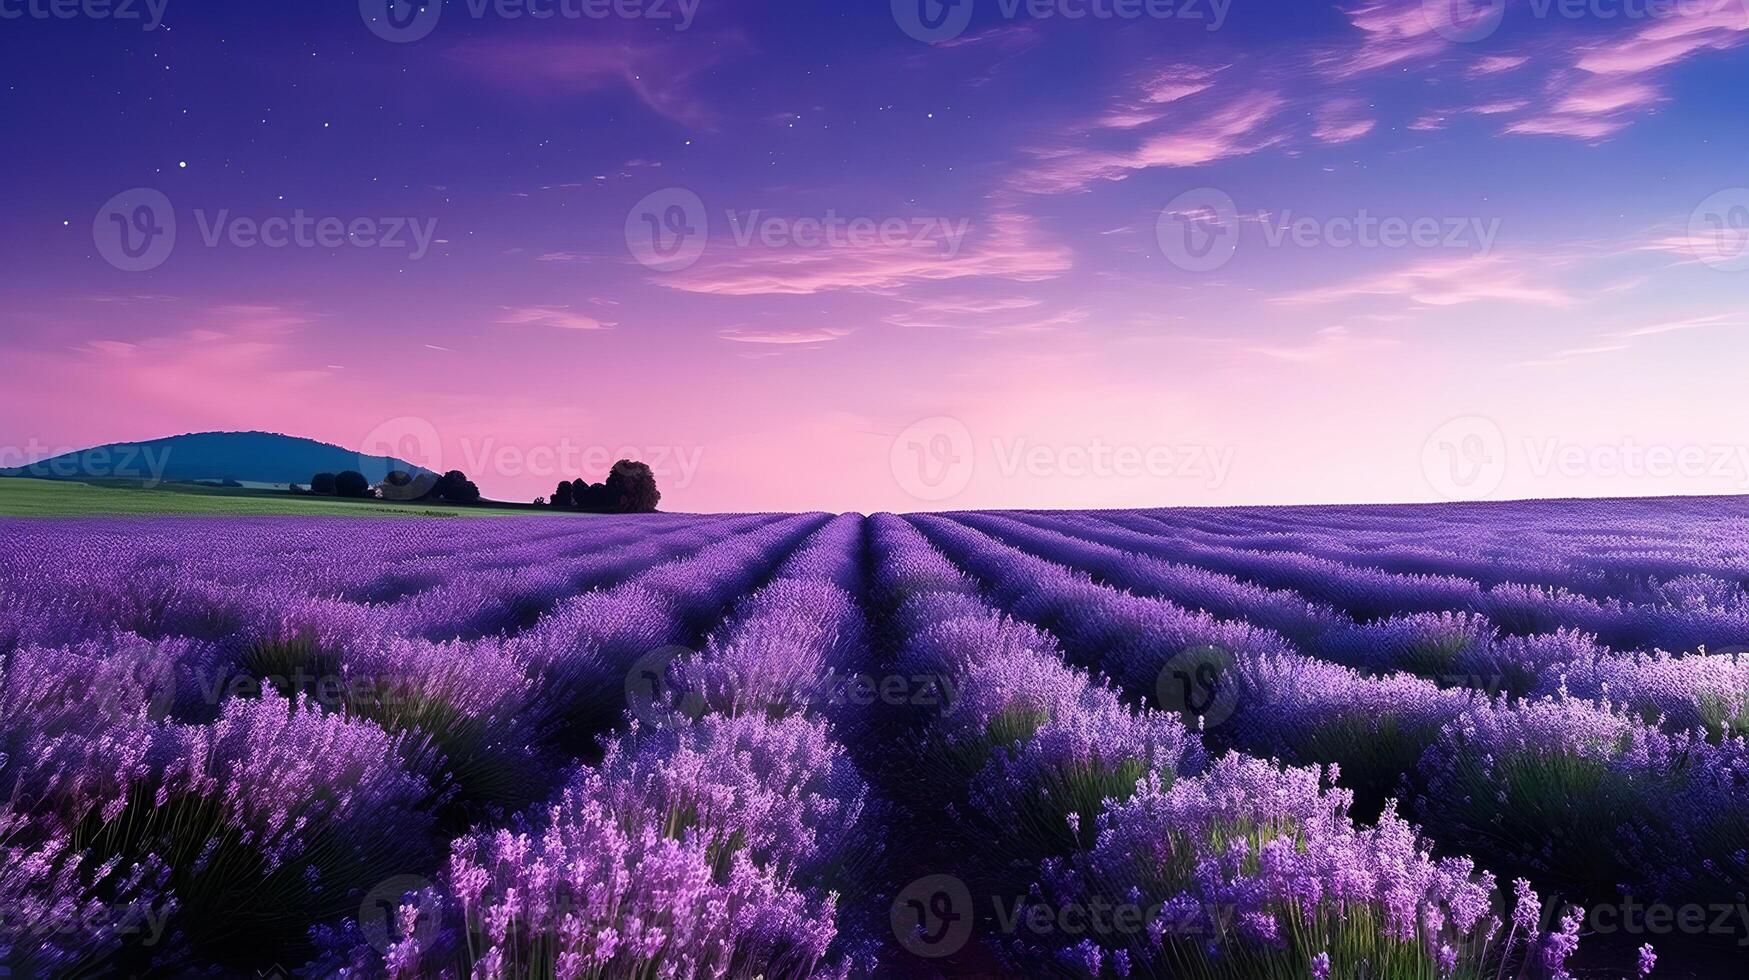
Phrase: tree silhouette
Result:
[631,486]
[351,483]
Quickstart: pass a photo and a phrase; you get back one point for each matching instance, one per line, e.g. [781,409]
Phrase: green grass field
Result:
[65,498]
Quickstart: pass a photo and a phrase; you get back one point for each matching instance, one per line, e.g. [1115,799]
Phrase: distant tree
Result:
[456,488]
[351,483]
[592,497]
[631,486]
[322,483]
[562,494]
[540,501]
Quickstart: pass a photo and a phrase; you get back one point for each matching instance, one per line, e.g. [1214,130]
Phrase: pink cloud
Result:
[1448,282]
[1393,32]
[1187,139]
[1602,96]
[1157,93]
[1341,120]
[1497,64]
[1576,127]
[1326,345]
[985,320]
[1664,41]
[550,316]
[237,358]
[783,338]
[1008,246]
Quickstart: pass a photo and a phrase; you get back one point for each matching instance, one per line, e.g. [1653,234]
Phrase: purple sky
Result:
[806,255]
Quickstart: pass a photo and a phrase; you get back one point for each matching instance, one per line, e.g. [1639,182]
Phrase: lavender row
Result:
[1464,649]
[1608,542]
[714,837]
[1168,867]
[1582,797]
[207,582]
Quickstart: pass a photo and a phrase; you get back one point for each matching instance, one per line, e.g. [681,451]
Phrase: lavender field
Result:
[1477,741]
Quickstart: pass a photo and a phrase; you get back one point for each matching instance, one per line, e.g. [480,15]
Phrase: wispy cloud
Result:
[1392,32]
[1449,281]
[562,317]
[547,67]
[1005,245]
[1326,345]
[1197,131]
[1341,120]
[783,338]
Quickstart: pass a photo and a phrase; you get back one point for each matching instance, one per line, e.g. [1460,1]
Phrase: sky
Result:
[900,256]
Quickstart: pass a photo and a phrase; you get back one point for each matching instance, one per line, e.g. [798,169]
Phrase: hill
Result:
[247,457]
